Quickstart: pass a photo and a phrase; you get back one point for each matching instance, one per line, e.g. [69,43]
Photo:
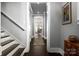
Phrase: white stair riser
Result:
[8,45]
[3,34]
[5,39]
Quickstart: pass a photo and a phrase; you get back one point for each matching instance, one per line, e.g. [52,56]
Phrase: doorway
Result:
[39,18]
[38,25]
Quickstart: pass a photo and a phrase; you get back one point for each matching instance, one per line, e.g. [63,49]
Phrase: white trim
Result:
[48,26]
[26,50]
[44,25]
[32,37]
[28,29]
[23,52]
[56,50]
[44,37]
[61,51]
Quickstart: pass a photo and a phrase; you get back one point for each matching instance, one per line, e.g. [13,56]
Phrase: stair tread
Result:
[2,31]
[6,42]
[5,36]
[9,49]
[18,52]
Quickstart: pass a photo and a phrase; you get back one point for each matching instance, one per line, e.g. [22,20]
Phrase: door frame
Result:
[48,26]
[43,22]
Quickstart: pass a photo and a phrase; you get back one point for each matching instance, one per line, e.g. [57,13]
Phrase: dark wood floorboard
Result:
[39,50]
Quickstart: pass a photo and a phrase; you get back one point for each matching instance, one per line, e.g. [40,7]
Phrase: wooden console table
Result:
[71,48]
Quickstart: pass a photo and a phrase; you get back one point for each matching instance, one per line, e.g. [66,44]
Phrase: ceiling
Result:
[38,8]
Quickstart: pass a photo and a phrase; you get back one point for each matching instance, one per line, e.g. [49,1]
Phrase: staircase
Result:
[10,47]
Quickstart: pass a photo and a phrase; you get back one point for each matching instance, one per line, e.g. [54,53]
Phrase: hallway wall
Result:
[0,15]
[72,28]
[55,25]
[59,32]
[0,27]
[78,12]
[77,18]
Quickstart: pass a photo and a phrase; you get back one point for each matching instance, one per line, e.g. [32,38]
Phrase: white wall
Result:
[31,23]
[29,29]
[16,11]
[59,32]
[19,13]
[55,25]
[56,32]
[72,28]
[0,29]
[77,12]
[0,15]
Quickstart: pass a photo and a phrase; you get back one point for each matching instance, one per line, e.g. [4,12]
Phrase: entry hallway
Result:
[39,29]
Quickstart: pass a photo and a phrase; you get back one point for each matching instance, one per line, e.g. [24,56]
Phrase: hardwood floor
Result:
[39,50]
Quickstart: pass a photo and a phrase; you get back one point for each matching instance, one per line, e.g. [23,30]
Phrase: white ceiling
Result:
[38,8]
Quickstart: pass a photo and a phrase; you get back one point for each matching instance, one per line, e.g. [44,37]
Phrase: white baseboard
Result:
[56,50]
[26,50]
[45,37]
[32,37]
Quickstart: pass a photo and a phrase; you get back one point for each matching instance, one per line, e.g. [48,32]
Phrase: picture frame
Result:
[67,13]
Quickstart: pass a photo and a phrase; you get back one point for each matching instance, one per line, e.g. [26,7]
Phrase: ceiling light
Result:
[38,12]
[38,3]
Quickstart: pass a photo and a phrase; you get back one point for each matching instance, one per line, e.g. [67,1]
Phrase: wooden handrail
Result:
[12,21]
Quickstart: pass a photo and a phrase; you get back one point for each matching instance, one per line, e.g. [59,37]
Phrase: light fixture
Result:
[38,12]
[38,3]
